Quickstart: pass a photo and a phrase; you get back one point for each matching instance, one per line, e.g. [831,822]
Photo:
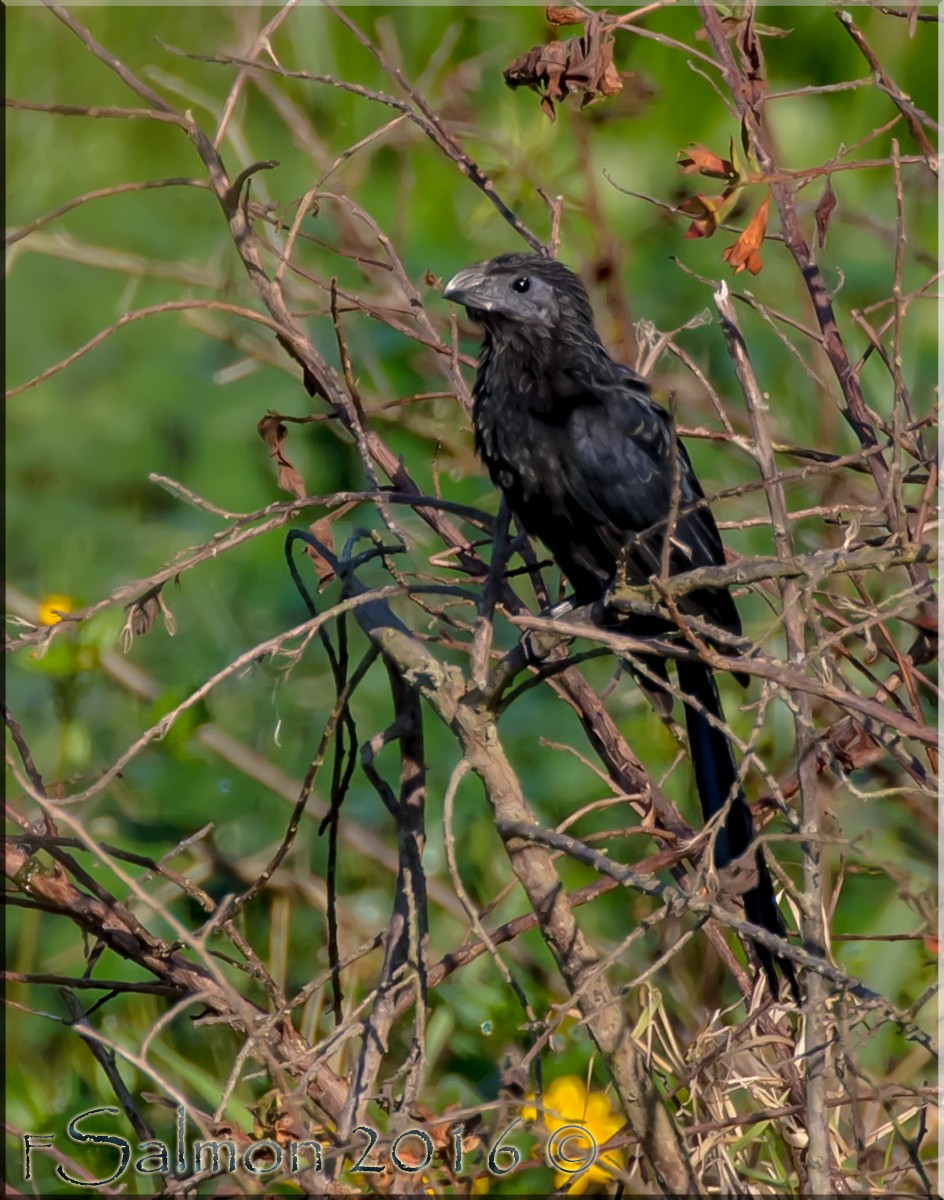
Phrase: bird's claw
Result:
[537,643]
[532,650]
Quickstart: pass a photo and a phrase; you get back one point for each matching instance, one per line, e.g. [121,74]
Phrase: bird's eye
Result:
[521,285]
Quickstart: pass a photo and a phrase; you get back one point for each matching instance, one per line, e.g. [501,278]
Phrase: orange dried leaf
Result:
[745,253]
[706,162]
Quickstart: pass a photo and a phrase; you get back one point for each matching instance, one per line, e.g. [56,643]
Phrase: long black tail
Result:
[716,779]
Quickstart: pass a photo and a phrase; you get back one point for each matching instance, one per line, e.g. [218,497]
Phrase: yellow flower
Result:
[565,1101]
[50,606]
[568,1103]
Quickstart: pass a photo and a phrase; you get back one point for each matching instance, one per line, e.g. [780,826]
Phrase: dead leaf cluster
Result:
[581,65]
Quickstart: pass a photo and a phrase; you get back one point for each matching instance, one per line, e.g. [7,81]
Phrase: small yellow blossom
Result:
[567,1102]
[51,606]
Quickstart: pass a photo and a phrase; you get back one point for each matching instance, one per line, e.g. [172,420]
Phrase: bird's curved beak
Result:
[471,288]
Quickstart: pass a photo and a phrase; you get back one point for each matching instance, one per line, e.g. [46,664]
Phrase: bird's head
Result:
[523,293]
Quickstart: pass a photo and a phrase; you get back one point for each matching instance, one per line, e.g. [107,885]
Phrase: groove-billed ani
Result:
[590,465]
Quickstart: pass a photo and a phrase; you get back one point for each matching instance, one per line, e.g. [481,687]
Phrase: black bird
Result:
[588,463]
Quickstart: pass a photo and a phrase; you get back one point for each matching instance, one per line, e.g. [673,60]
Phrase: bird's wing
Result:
[622,468]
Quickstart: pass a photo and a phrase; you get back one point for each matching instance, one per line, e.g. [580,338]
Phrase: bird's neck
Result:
[527,363]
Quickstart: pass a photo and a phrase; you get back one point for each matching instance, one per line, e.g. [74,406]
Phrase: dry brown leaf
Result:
[273,433]
[564,16]
[707,211]
[853,747]
[323,531]
[325,534]
[752,55]
[824,211]
[745,253]
[143,611]
[699,158]
[580,65]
